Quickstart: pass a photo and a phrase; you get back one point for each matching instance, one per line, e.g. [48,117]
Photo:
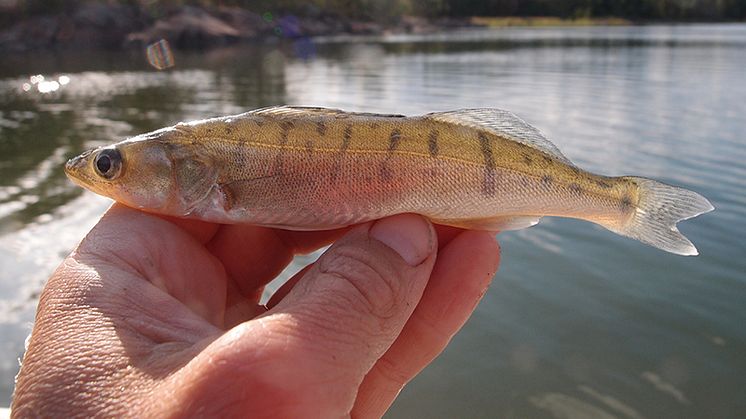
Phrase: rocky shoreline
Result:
[117,26]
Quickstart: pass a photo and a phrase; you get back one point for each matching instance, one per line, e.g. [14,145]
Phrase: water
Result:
[578,321]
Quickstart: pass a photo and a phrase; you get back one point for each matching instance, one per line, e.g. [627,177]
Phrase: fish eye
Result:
[108,163]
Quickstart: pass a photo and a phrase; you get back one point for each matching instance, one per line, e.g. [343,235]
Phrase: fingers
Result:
[287,287]
[445,235]
[253,255]
[315,347]
[365,287]
[154,250]
[202,231]
[460,277]
[303,242]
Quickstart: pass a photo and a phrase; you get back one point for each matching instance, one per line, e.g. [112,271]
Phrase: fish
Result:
[310,168]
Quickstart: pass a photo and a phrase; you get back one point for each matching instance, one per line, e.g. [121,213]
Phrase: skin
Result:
[159,317]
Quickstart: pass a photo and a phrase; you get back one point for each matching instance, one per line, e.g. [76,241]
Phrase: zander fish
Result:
[302,168]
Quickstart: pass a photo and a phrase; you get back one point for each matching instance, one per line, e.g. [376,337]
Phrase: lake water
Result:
[579,322]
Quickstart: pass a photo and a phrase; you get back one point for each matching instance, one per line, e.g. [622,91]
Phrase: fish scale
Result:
[313,168]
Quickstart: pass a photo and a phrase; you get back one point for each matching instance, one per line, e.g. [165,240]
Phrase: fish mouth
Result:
[75,167]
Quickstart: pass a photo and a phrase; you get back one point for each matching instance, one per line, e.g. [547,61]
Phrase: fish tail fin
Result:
[659,208]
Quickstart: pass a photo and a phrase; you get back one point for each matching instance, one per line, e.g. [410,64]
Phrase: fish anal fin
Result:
[501,223]
[301,227]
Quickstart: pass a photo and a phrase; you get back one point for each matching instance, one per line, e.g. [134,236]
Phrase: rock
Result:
[188,27]
[416,24]
[356,27]
[103,25]
[31,34]
[249,25]
[91,26]
[321,25]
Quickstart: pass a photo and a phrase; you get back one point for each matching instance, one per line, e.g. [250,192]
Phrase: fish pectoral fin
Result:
[502,223]
[194,178]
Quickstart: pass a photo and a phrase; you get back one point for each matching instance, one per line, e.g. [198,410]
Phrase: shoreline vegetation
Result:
[33,25]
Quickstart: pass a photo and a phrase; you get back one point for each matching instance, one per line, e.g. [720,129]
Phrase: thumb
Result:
[352,304]
[360,293]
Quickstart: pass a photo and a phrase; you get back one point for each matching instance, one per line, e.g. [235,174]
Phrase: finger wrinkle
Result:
[358,269]
[101,258]
[431,334]
[394,376]
[320,334]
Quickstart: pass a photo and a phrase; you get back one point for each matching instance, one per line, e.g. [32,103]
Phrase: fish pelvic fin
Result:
[659,208]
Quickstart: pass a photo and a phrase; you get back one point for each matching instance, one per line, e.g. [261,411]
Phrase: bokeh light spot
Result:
[48,86]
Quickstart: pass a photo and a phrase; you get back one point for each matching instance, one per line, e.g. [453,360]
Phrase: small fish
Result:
[303,168]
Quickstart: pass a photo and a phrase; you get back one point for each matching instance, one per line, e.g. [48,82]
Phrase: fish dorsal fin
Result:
[290,111]
[504,124]
[298,111]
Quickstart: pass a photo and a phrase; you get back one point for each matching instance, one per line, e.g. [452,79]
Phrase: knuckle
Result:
[433,337]
[393,374]
[372,284]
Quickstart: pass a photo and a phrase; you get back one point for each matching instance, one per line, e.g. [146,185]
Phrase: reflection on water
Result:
[579,323]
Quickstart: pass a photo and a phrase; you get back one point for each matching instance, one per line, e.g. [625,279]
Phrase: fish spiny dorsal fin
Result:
[504,124]
[296,111]
[306,111]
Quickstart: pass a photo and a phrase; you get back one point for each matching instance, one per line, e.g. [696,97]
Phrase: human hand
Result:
[160,317]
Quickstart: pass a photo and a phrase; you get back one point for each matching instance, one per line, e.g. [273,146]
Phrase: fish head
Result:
[160,172]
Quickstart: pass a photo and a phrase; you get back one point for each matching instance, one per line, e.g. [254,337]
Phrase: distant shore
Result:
[507,21]
[122,26]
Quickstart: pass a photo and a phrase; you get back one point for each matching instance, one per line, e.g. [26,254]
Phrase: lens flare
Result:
[159,55]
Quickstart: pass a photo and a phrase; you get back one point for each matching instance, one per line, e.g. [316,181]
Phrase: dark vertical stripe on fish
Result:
[346,138]
[603,184]
[490,172]
[625,203]
[285,128]
[432,143]
[394,139]
[321,128]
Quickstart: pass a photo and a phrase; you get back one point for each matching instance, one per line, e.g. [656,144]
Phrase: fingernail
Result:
[409,235]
